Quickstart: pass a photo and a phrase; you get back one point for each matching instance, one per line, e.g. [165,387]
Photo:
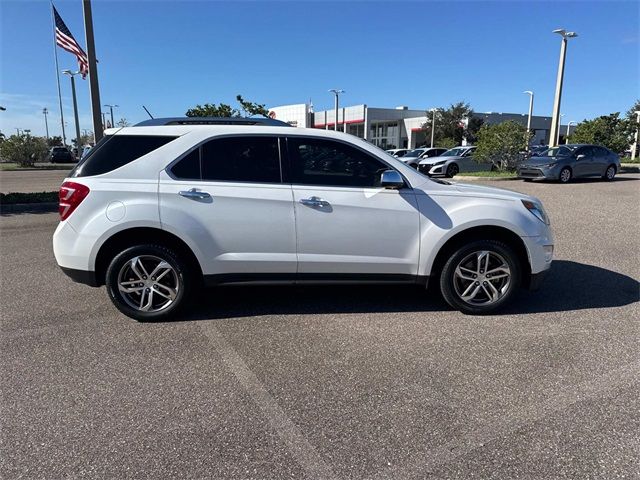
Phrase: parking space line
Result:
[421,463]
[289,433]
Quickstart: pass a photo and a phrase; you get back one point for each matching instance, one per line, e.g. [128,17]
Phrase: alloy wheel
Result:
[611,172]
[482,278]
[565,175]
[148,283]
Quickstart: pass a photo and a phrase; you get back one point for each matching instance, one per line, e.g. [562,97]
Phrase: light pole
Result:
[555,119]
[111,107]
[530,93]
[75,105]
[104,120]
[337,93]
[433,125]
[572,122]
[558,135]
[634,149]
[45,112]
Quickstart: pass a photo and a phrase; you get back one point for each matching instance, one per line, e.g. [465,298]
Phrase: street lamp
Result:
[337,93]
[45,112]
[530,93]
[572,122]
[555,124]
[634,149]
[559,123]
[111,107]
[75,105]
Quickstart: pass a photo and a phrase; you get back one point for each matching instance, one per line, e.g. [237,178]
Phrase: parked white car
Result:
[452,162]
[155,209]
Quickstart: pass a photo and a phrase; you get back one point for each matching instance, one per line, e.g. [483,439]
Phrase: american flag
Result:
[65,40]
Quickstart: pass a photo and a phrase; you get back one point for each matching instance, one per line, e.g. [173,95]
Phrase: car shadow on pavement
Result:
[576,286]
[568,286]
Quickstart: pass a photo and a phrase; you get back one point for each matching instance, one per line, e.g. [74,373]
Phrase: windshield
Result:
[454,152]
[414,153]
[556,152]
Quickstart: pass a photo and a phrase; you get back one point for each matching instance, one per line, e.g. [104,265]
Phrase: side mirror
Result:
[391,179]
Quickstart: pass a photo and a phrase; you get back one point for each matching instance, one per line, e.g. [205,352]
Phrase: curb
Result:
[629,168]
[28,207]
[470,178]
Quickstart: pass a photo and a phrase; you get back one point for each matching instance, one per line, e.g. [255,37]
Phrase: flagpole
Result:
[55,54]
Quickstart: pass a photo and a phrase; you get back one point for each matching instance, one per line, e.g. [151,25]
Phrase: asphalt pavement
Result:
[332,382]
[26,181]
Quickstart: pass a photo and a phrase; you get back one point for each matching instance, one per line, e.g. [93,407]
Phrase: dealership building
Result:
[397,127]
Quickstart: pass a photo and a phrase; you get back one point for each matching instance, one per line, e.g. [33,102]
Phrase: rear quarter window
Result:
[115,151]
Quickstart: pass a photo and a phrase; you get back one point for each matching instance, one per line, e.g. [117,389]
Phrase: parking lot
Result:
[333,382]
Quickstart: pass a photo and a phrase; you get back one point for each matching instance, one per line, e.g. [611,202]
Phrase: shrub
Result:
[24,150]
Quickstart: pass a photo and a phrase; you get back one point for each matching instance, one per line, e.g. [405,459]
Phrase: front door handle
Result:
[194,193]
[314,202]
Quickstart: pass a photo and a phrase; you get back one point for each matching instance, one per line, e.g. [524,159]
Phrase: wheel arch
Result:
[485,232]
[138,236]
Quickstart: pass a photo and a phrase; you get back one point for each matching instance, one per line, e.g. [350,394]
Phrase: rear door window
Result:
[115,151]
[254,159]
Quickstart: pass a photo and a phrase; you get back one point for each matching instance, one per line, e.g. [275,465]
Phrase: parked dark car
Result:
[61,155]
[566,162]
[536,150]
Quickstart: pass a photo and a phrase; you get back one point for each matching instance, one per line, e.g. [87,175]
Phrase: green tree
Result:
[501,144]
[24,150]
[224,110]
[610,131]
[450,124]
[54,141]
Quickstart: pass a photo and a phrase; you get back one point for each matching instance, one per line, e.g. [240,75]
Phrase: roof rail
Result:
[154,122]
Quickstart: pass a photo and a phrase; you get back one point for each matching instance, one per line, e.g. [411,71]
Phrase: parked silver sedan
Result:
[565,162]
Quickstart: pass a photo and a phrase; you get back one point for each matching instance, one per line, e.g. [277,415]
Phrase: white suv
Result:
[157,209]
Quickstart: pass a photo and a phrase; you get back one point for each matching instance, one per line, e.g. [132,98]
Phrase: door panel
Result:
[227,198]
[356,230]
[241,228]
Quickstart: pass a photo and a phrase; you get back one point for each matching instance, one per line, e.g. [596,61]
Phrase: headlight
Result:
[549,165]
[439,163]
[537,209]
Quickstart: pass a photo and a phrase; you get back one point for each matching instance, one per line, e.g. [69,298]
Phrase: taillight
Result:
[71,195]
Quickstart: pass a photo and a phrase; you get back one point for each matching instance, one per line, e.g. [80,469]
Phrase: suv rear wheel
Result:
[480,277]
[148,282]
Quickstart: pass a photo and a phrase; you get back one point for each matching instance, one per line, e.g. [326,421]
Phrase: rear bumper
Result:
[81,276]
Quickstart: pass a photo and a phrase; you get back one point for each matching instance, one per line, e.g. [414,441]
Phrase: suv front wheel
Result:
[480,277]
[148,282]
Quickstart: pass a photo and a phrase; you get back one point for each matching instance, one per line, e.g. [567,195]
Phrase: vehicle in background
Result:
[452,162]
[397,152]
[535,150]
[565,162]
[86,149]
[61,155]
[413,157]
[155,210]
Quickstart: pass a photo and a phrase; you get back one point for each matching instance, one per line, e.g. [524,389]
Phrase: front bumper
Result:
[540,172]
[431,169]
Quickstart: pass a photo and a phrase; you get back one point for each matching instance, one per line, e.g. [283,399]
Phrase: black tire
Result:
[448,280]
[609,173]
[180,276]
[452,170]
[565,175]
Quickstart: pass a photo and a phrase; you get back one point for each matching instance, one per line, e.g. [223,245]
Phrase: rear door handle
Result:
[194,193]
[314,202]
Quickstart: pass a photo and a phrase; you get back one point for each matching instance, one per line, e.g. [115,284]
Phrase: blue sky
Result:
[170,55]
